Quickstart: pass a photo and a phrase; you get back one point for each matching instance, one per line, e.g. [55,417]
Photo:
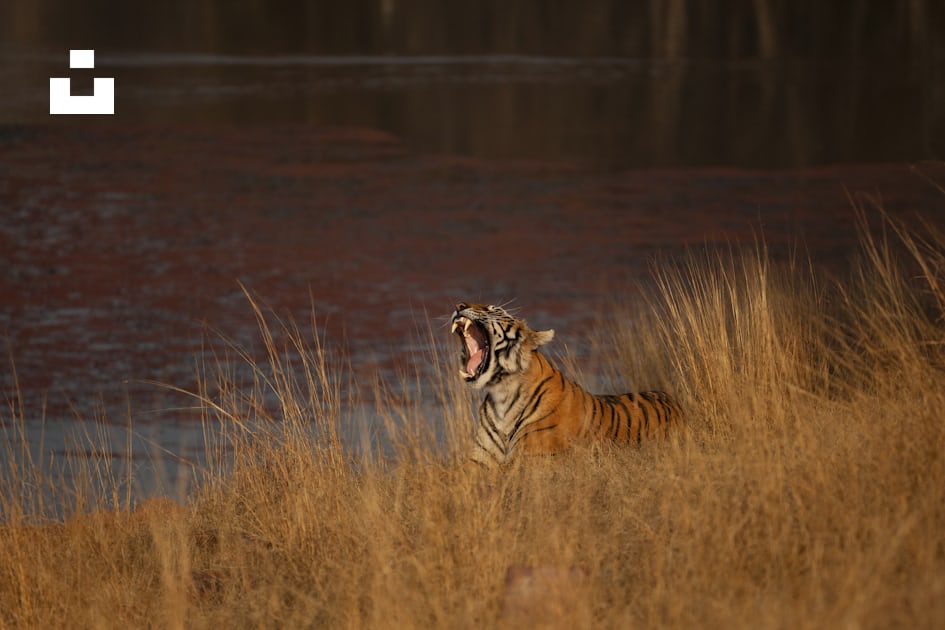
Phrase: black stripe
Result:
[515,437]
[494,441]
[648,397]
[645,425]
[497,376]
[479,463]
[616,401]
[536,392]
[664,410]
[503,350]
[518,392]
[633,401]
[647,408]
[585,398]
[677,410]
[656,404]
[532,430]
[592,417]
[537,395]
[618,418]
[664,406]
[488,401]
[613,418]
[599,409]
[626,416]
[536,421]
[491,430]
[524,416]
[539,429]
[491,454]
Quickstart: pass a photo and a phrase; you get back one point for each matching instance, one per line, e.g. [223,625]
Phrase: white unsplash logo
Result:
[102,100]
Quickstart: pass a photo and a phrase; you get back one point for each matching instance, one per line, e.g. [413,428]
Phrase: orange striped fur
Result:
[530,406]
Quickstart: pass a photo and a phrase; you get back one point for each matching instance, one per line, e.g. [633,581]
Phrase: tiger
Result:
[530,406]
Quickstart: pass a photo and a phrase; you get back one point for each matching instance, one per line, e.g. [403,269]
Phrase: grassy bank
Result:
[808,489]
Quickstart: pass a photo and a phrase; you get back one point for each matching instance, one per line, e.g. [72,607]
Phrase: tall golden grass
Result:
[807,490]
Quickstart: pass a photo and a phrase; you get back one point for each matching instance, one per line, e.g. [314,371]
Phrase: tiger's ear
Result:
[541,337]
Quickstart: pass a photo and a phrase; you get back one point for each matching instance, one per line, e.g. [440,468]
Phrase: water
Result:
[122,269]
[378,185]
[609,111]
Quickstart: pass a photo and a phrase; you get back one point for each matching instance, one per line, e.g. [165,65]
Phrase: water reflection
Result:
[621,83]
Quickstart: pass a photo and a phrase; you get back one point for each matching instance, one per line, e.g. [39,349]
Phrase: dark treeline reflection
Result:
[636,28]
[636,82]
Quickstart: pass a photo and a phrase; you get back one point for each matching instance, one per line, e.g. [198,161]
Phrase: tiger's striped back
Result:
[529,405]
[634,417]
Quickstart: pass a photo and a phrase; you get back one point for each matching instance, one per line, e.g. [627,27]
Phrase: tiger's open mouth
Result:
[475,343]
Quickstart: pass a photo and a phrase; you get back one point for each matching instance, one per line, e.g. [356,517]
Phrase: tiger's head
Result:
[494,344]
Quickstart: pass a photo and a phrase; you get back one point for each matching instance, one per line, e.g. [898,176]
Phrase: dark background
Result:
[871,30]
[766,83]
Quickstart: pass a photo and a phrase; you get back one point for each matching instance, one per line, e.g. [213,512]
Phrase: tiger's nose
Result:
[461,306]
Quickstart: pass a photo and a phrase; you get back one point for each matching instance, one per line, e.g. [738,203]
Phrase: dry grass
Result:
[808,490]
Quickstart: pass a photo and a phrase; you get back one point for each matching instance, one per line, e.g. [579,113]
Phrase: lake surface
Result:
[377,192]
[612,112]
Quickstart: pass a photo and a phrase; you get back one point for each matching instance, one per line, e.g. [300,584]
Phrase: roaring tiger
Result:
[529,405]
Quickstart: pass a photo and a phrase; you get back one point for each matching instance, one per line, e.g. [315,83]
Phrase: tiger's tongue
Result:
[474,360]
[475,355]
